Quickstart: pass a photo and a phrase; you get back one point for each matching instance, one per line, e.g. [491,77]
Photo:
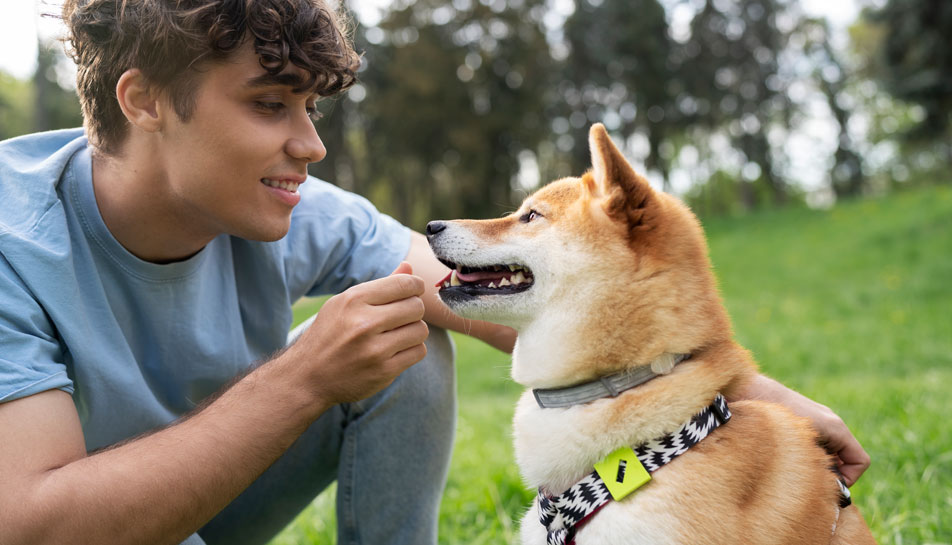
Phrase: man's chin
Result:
[265,232]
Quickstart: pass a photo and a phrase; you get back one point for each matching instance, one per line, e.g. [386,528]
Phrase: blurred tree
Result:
[337,128]
[618,71]
[15,106]
[915,62]
[40,103]
[833,78]
[452,97]
[54,107]
[731,61]
[898,150]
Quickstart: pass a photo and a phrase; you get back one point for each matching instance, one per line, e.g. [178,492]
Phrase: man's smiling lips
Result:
[285,187]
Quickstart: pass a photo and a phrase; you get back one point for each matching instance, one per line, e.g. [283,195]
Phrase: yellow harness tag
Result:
[622,472]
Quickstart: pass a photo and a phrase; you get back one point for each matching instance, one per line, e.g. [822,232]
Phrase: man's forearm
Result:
[162,487]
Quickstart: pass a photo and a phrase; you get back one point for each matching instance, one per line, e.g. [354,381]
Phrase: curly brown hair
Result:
[171,41]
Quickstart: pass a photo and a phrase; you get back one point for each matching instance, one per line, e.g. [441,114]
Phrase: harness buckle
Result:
[719,407]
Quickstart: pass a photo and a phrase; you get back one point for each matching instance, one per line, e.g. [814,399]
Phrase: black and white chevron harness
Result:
[628,468]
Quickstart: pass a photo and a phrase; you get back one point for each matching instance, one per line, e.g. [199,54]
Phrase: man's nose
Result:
[304,143]
[435,227]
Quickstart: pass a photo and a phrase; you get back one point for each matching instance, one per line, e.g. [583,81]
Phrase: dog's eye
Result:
[529,216]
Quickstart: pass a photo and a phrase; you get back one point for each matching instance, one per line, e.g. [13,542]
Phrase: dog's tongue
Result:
[481,275]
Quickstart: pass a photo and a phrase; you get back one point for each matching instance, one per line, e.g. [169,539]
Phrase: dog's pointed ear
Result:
[627,194]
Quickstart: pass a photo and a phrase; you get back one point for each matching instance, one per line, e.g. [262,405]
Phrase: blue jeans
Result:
[389,454]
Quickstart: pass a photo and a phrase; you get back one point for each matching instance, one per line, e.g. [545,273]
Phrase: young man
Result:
[147,269]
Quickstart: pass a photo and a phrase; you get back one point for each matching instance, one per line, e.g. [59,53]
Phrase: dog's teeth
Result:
[491,285]
[446,284]
[504,282]
[518,278]
[454,280]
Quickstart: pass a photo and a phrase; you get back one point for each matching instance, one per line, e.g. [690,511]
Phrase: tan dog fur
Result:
[622,279]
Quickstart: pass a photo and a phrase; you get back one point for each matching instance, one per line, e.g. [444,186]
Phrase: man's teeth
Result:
[288,186]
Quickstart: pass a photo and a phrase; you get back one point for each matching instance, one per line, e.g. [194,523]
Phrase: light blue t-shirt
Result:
[138,344]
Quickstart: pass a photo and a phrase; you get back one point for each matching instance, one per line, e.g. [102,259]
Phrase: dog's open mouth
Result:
[489,280]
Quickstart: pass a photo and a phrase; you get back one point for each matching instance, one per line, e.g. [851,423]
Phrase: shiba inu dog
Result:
[625,350]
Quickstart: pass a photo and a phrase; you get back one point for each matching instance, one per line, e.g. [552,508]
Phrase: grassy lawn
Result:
[851,306]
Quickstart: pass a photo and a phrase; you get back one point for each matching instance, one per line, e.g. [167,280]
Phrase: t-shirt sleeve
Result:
[339,239]
[31,358]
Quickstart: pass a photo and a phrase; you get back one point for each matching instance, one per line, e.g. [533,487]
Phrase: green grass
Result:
[851,306]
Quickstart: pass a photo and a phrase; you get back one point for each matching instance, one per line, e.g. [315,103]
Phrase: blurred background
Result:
[813,138]
[465,105]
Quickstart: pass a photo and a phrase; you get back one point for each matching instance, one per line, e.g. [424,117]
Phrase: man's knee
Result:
[432,382]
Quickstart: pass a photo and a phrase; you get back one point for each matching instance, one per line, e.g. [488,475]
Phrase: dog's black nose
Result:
[434,227]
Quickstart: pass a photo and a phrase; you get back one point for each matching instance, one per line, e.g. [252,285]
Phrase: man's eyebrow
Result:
[284,79]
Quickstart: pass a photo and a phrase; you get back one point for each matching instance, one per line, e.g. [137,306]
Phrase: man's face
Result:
[234,166]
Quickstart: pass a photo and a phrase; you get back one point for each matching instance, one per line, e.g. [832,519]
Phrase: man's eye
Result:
[269,106]
[529,216]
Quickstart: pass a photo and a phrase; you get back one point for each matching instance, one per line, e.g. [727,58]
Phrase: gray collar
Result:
[609,386]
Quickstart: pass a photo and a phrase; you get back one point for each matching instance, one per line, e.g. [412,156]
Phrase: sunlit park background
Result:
[813,139]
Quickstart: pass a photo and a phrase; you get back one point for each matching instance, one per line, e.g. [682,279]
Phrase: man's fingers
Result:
[402,268]
[392,288]
[405,358]
[854,460]
[404,337]
[399,313]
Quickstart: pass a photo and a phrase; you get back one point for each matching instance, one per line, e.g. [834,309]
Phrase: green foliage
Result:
[612,75]
[15,106]
[461,103]
[849,306]
[54,107]
[38,104]
[914,60]
[452,98]
[921,154]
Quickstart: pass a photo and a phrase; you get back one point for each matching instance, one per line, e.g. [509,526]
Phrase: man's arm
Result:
[162,487]
[428,267]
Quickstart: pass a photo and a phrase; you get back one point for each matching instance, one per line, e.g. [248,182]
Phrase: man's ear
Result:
[139,101]
[627,195]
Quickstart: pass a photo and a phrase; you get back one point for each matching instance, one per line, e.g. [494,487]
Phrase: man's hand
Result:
[837,439]
[363,338]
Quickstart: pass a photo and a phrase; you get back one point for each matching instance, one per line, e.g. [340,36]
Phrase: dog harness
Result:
[627,469]
[621,473]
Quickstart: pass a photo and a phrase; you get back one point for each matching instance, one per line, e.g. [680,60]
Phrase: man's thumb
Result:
[403,268]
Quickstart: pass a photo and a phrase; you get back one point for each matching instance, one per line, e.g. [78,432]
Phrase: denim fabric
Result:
[389,454]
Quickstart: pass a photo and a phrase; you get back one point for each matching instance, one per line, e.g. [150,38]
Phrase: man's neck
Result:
[139,211]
